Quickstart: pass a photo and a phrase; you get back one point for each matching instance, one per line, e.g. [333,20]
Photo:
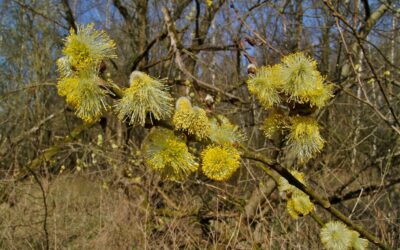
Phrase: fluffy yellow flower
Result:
[193,120]
[299,204]
[320,95]
[144,95]
[219,163]
[85,95]
[223,132]
[184,114]
[67,86]
[168,154]
[302,81]
[274,122]
[299,74]
[86,48]
[336,236]
[266,84]
[304,138]
[200,125]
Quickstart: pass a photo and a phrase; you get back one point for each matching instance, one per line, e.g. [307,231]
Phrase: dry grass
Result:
[93,211]
[84,213]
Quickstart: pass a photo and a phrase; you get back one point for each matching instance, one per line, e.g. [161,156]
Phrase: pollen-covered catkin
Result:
[87,47]
[83,51]
[304,138]
[85,95]
[337,236]
[192,120]
[299,204]
[266,85]
[145,95]
[219,162]
[167,154]
[275,122]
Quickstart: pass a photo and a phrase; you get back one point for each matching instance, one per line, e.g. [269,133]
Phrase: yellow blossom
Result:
[200,125]
[184,114]
[85,95]
[299,74]
[302,81]
[336,236]
[193,120]
[86,48]
[219,163]
[274,122]
[168,154]
[320,95]
[304,138]
[266,85]
[299,204]
[144,95]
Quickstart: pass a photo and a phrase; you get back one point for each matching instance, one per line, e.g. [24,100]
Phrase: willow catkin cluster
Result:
[83,52]
[220,162]
[145,95]
[298,203]
[297,84]
[337,236]
[192,120]
[167,154]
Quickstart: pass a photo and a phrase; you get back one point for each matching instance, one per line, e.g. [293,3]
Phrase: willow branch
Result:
[318,199]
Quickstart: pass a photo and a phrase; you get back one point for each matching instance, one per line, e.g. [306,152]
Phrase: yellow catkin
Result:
[274,123]
[299,204]
[219,162]
[266,85]
[304,138]
[85,95]
[302,81]
[168,154]
[193,120]
[83,52]
[200,125]
[183,115]
[144,96]
[86,48]
[336,236]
